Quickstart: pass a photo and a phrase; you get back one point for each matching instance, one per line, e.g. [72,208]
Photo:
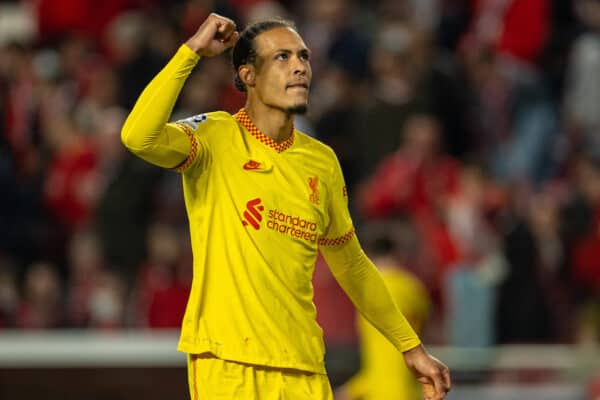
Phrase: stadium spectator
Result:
[582,89]
[161,290]
[514,125]
[42,301]
[9,294]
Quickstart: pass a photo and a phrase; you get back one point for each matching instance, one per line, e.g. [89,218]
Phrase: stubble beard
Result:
[299,109]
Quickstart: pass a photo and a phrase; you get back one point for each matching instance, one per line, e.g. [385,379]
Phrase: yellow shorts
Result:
[211,378]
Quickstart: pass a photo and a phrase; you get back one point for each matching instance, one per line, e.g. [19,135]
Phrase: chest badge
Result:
[313,184]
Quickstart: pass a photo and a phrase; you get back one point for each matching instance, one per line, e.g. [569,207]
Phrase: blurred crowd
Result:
[468,132]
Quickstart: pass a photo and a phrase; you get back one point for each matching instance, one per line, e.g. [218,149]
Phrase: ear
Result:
[247,74]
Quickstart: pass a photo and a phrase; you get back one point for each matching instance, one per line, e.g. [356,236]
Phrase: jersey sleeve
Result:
[146,132]
[339,228]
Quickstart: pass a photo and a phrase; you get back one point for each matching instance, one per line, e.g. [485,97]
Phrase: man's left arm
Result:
[362,282]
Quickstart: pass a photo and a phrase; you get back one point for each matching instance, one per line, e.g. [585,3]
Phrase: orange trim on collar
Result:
[244,119]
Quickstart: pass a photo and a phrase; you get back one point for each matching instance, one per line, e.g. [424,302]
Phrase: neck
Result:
[273,122]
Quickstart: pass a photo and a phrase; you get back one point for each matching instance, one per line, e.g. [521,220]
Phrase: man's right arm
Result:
[146,132]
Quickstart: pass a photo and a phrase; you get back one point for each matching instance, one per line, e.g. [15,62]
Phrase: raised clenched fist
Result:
[214,36]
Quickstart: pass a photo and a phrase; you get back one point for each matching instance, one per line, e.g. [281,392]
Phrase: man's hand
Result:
[215,35]
[431,372]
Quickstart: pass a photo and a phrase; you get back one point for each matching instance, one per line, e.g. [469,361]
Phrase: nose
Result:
[300,66]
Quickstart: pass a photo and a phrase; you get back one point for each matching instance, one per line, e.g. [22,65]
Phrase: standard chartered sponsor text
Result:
[294,226]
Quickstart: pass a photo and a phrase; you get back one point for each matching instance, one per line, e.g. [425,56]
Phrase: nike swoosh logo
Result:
[251,165]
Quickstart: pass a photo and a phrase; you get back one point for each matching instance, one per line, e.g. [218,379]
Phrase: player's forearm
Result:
[362,282]
[145,131]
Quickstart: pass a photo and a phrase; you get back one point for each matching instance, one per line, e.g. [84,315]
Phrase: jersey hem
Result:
[190,348]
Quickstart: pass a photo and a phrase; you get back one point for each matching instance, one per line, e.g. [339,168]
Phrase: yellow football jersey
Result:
[258,211]
[251,203]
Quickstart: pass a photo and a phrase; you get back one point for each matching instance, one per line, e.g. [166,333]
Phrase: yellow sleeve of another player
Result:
[146,132]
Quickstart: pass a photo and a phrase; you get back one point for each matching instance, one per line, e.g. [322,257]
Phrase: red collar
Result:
[244,119]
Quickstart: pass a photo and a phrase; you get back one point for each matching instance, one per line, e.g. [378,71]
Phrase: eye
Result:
[281,56]
[305,56]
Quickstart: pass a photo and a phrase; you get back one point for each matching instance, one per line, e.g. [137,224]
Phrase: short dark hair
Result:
[244,51]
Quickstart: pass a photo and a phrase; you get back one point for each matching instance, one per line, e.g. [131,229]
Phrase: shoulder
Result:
[315,146]
[215,119]
[321,157]
[216,128]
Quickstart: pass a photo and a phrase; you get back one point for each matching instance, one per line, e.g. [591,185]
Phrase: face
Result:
[421,135]
[282,73]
